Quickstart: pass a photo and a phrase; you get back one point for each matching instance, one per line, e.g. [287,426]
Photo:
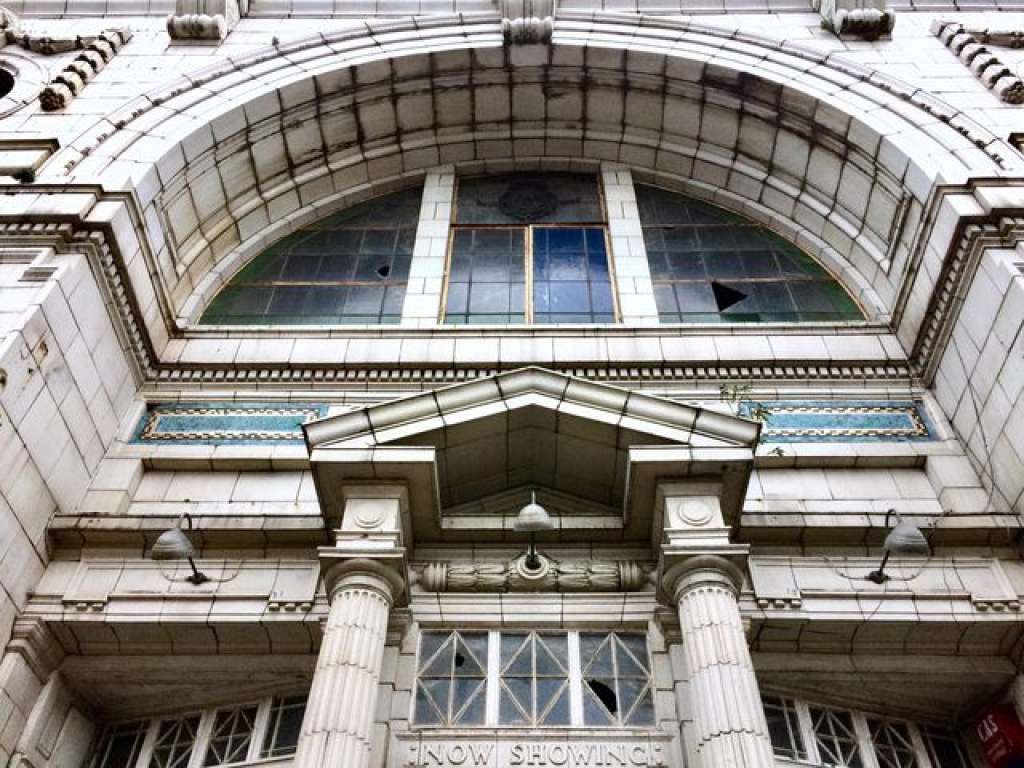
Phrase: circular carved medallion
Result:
[528,200]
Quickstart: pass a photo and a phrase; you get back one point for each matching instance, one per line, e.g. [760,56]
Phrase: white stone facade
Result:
[719,491]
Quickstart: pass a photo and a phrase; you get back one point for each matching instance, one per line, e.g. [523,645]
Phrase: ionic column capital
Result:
[381,576]
[701,570]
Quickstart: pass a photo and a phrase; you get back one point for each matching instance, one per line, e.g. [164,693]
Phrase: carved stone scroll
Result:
[560,576]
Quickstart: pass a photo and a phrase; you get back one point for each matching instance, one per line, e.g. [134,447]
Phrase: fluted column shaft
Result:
[731,731]
[337,729]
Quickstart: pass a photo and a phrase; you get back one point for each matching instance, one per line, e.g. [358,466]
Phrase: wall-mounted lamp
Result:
[175,544]
[532,518]
[904,539]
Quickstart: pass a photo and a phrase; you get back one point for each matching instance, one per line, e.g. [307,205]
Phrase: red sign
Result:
[1002,737]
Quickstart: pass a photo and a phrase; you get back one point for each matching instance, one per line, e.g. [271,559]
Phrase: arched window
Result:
[711,266]
[350,268]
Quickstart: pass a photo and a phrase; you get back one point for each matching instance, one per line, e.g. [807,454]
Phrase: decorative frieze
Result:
[74,76]
[972,51]
[206,423]
[793,421]
[554,575]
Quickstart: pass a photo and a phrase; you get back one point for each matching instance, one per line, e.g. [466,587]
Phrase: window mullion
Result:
[203,733]
[924,759]
[493,684]
[259,729]
[864,741]
[803,715]
[575,679]
[146,753]
[528,274]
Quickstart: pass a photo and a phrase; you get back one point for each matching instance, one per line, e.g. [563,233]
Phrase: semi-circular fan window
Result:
[711,266]
[350,268]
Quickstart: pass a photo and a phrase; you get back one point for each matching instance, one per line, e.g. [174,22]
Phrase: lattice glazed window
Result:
[711,266]
[452,678]
[534,679]
[804,733]
[268,728]
[350,268]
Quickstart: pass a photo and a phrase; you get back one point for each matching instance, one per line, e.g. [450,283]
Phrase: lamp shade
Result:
[173,544]
[533,517]
[906,539]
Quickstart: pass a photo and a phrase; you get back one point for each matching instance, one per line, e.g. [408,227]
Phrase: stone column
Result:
[338,726]
[731,731]
[364,575]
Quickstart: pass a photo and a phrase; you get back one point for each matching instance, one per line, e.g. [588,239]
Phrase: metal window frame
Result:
[528,229]
[204,732]
[493,680]
[862,730]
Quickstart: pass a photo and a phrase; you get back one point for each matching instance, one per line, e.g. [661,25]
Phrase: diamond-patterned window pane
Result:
[284,726]
[892,744]
[231,736]
[174,742]
[712,266]
[617,688]
[836,738]
[350,268]
[534,679]
[451,686]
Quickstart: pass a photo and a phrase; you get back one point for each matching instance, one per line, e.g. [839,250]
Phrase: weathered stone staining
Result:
[722,292]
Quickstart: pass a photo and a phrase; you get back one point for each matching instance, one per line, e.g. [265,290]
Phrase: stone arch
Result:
[840,160]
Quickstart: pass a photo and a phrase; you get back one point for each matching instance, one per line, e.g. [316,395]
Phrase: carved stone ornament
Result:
[553,576]
[855,18]
[526,22]
[968,46]
[205,19]
[96,53]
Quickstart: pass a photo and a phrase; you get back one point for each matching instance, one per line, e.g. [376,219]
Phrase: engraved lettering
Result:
[457,754]
[515,755]
[582,754]
[558,754]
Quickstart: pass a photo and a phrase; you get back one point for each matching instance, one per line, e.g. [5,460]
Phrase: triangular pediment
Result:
[477,450]
[529,397]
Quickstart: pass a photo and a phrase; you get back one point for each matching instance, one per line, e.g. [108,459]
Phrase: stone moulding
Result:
[73,78]
[984,64]
[553,575]
[958,270]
